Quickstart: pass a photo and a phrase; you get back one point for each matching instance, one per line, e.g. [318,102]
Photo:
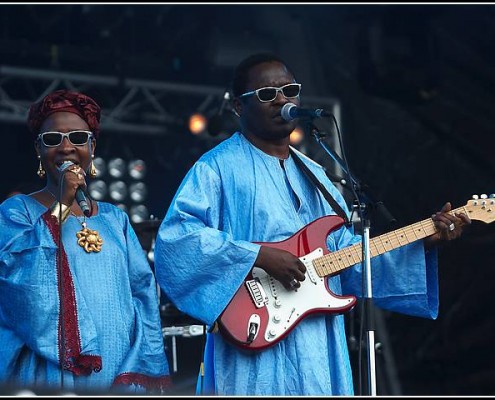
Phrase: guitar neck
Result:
[337,261]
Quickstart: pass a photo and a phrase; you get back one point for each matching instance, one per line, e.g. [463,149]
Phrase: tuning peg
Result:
[475,197]
[492,196]
[484,196]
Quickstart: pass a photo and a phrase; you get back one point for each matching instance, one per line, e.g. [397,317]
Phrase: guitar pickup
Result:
[257,292]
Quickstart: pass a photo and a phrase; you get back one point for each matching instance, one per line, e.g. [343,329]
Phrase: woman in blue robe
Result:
[249,190]
[78,305]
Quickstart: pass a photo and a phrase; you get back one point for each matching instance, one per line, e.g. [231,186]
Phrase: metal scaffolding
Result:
[128,105]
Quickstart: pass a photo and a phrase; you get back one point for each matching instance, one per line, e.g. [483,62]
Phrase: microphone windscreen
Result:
[286,111]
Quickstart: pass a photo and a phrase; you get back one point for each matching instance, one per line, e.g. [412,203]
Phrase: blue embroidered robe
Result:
[103,305]
[236,195]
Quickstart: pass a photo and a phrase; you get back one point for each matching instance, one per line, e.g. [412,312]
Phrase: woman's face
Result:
[53,157]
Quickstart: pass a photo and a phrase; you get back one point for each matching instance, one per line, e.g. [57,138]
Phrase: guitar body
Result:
[262,312]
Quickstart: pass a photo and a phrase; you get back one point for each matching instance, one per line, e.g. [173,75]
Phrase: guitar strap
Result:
[338,209]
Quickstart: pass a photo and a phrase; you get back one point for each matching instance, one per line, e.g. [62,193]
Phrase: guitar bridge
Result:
[257,292]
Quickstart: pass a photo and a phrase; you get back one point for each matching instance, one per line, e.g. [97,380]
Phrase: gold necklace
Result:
[88,239]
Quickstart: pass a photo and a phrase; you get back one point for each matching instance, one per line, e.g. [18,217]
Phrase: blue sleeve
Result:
[29,300]
[404,280]
[198,264]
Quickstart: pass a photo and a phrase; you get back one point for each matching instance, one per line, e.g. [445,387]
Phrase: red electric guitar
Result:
[262,311]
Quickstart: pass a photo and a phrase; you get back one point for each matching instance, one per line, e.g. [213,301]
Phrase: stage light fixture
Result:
[121,183]
[296,136]
[138,192]
[101,166]
[137,169]
[118,191]
[123,207]
[98,189]
[197,123]
[139,213]
[117,167]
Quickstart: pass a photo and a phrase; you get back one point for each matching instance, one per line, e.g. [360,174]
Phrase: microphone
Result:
[80,196]
[290,111]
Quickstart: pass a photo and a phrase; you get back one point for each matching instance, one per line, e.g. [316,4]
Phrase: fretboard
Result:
[335,262]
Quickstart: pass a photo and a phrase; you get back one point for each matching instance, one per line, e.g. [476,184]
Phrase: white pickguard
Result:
[286,306]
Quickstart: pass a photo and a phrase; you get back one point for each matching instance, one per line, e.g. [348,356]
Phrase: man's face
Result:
[263,119]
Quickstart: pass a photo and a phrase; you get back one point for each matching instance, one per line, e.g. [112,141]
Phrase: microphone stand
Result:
[369,321]
[356,186]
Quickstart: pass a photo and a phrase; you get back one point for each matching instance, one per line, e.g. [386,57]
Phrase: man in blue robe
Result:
[246,191]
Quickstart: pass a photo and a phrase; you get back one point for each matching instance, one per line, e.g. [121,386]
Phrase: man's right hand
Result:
[282,265]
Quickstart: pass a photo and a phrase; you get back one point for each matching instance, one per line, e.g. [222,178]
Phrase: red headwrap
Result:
[65,101]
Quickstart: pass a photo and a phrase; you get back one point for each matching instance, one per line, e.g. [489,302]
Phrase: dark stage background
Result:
[413,89]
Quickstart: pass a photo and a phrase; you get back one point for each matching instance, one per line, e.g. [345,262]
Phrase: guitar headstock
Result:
[481,208]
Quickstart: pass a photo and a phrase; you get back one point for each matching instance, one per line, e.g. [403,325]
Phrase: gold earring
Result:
[93,172]
[41,172]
